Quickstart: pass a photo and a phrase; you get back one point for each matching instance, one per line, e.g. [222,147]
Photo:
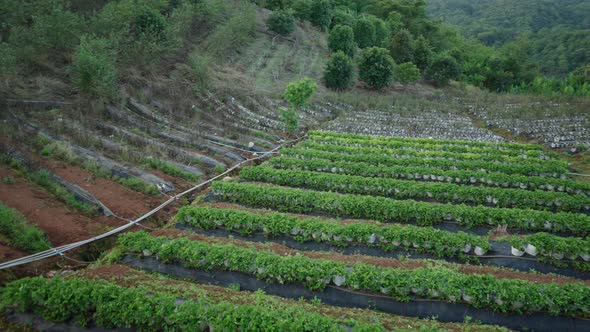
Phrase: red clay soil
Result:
[8,253]
[61,225]
[119,199]
[378,261]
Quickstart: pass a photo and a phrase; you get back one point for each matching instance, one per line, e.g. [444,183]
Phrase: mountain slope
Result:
[559,31]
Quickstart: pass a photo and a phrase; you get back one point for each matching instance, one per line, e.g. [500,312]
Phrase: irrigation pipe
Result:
[577,174]
[40,101]
[60,250]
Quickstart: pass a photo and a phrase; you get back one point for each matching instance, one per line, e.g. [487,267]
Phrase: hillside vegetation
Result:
[74,49]
[558,31]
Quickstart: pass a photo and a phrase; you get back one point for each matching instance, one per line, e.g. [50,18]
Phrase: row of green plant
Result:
[432,173]
[87,302]
[170,169]
[445,164]
[421,141]
[61,151]
[402,189]
[407,211]
[19,232]
[44,178]
[551,246]
[388,237]
[558,165]
[478,290]
[379,143]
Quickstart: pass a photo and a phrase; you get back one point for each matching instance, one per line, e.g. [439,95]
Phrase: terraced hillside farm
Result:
[346,232]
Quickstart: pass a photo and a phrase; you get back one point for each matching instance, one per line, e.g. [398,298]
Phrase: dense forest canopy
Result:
[557,30]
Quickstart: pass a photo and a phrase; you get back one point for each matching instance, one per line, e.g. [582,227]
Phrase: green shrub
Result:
[407,73]
[8,61]
[59,30]
[93,68]
[50,32]
[201,67]
[364,33]
[137,30]
[341,38]
[376,67]
[281,22]
[235,33]
[20,233]
[339,72]
[182,20]
[443,69]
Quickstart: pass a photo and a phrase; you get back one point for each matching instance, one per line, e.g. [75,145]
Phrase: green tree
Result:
[376,67]
[298,93]
[343,17]
[58,30]
[302,9]
[422,52]
[281,22]
[407,73]
[395,23]
[341,38]
[401,46]
[271,4]
[93,68]
[443,68]
[321,13]
[339,72]
[364,32]
[381,31]
[290,119]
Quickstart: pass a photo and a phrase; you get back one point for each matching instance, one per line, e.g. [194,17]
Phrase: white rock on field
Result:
[479,251]
[339,280]
[531,249]
[516,252]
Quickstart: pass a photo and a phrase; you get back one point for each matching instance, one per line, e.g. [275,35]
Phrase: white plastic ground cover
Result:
[426,124]
[549,124]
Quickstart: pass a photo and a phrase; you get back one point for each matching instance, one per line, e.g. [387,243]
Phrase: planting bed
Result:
[554,124]
[372,227]
[401,123]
